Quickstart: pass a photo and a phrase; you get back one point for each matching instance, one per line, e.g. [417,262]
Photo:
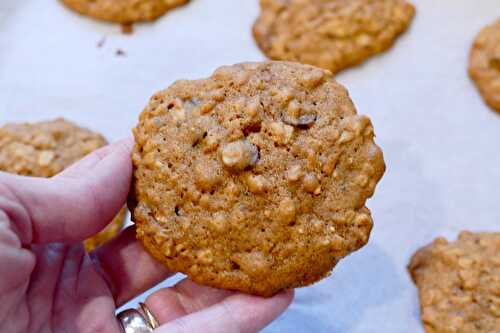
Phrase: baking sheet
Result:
[441,143]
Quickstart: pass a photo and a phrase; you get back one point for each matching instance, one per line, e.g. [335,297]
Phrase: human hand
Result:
[49,284]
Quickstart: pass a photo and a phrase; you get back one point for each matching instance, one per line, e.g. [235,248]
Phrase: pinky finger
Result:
[236,314]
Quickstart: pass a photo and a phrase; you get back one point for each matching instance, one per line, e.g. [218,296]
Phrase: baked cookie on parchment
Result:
[46,148]
[332,34]
[459,284]
[254,179]
[123,11]
[484,64]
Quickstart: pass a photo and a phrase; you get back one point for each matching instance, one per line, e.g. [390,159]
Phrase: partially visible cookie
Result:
[484,64]
[46,148]
[332,34]
[107,233]
[123,11]
[254,179]
[459,284]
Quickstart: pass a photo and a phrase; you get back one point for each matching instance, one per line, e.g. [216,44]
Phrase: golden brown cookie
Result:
[254,179]
[46,148]
[332,34]
[107,233]
[123,11]
[459,284]
[484,64]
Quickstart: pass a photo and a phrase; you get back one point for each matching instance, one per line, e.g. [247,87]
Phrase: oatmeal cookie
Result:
[459,284]
[254,179]
[46,148]
[484,64]
[332,34]
[123,11]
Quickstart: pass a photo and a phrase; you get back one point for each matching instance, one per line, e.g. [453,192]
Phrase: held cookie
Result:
[484,64]
[332,34]
[459,284]
[123,11]
[254,179]
[46,148]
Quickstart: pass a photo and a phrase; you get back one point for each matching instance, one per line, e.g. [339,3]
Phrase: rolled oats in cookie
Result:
[484,64]
[459,283]
[254,179]
[44,149]
[123,11]
[332,34]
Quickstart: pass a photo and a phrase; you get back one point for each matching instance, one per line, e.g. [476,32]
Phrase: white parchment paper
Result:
[441,143]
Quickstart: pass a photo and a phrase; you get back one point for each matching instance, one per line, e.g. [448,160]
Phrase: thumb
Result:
[73,205]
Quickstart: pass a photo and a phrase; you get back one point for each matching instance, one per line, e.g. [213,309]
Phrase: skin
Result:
[49,284]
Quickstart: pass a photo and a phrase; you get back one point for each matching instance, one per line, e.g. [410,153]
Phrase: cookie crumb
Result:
[101,42]
[127,28]
[120,53]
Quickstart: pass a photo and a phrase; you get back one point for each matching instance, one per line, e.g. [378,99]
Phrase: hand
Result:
[49,284]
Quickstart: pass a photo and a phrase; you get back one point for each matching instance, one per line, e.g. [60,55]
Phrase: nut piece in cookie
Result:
[484,64]
[254,179]
[123,11]
[459,283]
[332,34]
[45,149]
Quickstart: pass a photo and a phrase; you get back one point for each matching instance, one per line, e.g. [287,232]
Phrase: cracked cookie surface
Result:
[332,34]
[484,64]
[45,149]
[123,11]
[459,284]
[254,179]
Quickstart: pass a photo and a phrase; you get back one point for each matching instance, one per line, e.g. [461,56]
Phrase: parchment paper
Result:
[441,143]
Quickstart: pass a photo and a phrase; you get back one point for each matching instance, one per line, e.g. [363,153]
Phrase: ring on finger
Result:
[139,320]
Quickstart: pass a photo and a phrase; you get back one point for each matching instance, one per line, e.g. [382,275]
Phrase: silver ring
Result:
[149,315]
[137,320]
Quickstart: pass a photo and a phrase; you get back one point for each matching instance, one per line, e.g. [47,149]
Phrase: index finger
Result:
[238,313]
